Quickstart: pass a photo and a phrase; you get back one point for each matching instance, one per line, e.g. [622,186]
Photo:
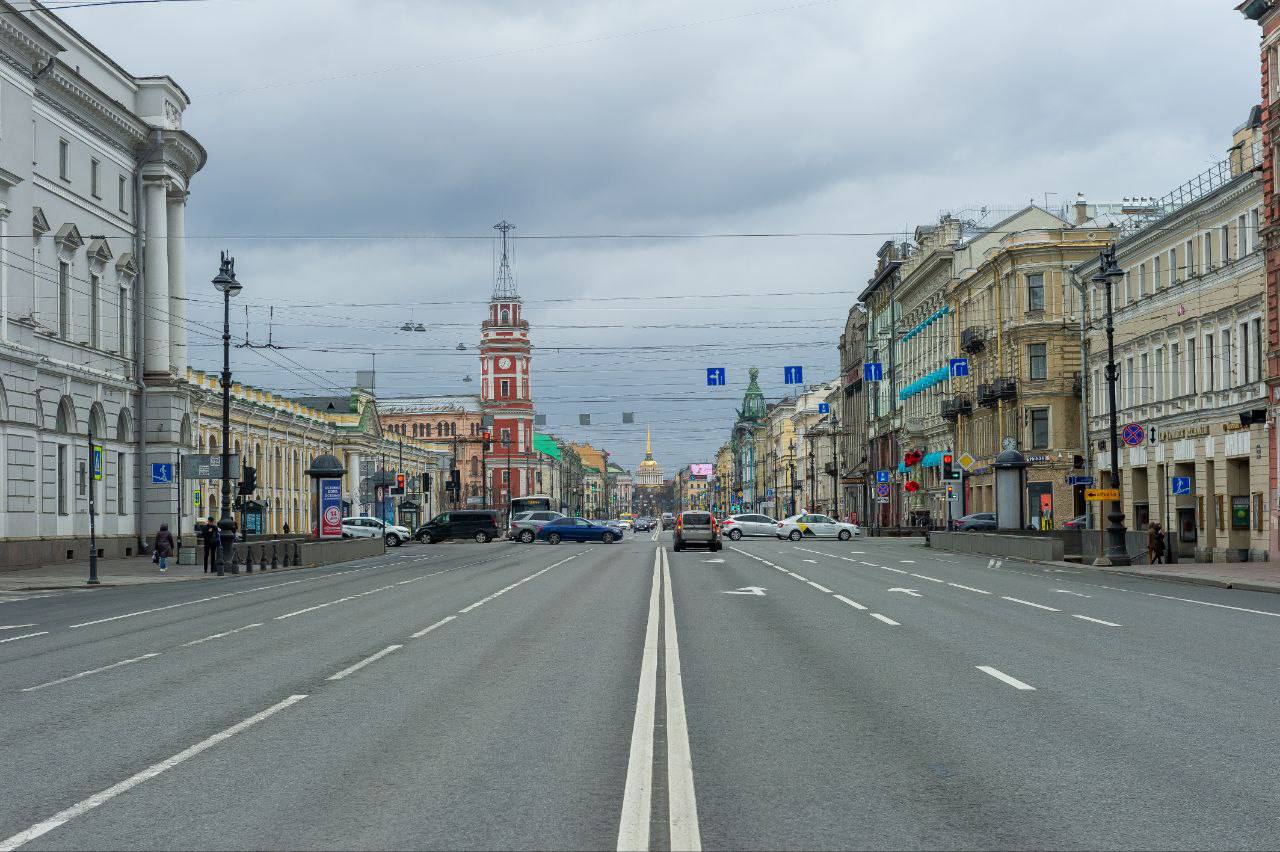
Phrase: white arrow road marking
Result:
[911,592]
[1077,594]
[999,675]
[747,590]
[991,563]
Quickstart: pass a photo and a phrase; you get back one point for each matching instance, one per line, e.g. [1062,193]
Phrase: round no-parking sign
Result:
[1133,434]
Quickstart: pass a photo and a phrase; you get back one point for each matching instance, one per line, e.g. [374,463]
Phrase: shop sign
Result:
[1240,513]
[1097,495]
[1034,459]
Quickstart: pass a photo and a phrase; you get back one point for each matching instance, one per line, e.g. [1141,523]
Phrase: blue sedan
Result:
[577,529]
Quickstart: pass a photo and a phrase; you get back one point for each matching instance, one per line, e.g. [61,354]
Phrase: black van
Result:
[479,524]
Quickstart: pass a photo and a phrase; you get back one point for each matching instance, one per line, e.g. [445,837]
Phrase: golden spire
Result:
[648,444]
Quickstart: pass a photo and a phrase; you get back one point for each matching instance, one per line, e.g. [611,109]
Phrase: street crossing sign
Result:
[873,371]
[1181,484]
[97,462]
[882,476]
[1099,495]
[824,408]
[161,473]
[959,367]
[793,375]
[715,376]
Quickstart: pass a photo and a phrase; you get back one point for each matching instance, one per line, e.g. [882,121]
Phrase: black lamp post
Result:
[813,495]
[791,470]
[1117,553]
[226,284]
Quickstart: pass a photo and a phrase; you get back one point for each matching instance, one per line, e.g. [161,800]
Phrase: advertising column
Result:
[330,508]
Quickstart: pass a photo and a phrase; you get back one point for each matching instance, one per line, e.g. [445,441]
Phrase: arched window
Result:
[453,428]
[506,317]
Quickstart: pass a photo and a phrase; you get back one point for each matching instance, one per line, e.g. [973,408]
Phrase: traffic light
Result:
[398,488]
[487,437]
[426,483]
[249,480]
[950,470]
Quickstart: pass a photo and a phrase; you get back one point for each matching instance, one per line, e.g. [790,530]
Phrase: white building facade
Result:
[93,326]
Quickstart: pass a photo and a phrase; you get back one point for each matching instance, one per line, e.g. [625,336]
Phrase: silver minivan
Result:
[697,528]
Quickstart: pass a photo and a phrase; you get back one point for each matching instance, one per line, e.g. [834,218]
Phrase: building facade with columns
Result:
[455,420]
[93,326]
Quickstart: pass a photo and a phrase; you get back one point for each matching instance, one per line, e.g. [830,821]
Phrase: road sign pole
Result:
[93,510]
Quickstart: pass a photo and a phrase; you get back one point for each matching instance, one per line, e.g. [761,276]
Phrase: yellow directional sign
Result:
[1101,494]
[966,460]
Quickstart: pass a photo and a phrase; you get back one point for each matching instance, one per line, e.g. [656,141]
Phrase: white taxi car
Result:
[797,527]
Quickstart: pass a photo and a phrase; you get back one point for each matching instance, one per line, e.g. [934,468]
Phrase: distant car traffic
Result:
[697,528]
[366,527]
[525,525]
[577,529]
[643,524]
[977,522]
[797,527]
[478,524]
[737,526]
[668,521]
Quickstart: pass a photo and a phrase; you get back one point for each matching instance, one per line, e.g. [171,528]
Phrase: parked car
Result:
[737,526]
[478,524]
[697,528]
[577,529]
[643,524]
[525,525]
[366,527]
[668,521]
[1079,522]
[977,522]
[797,527]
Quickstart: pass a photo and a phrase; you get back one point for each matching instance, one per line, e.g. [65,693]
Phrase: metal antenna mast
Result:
[504,285]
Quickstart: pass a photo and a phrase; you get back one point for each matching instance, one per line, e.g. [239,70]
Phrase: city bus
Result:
[532,503]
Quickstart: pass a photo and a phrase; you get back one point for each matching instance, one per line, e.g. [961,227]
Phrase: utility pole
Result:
[813,496]
[1117,551]
[835,463]
[93,510]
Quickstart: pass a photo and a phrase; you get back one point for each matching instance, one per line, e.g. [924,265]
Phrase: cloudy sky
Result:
[361,150]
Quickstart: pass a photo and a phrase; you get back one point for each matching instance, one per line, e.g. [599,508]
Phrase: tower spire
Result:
[648,444]
[504,282]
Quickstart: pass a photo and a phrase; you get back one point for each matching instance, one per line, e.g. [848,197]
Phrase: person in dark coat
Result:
[209,536]
[164,546]
[1155,545]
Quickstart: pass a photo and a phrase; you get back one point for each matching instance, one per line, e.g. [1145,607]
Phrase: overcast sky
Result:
[344,133]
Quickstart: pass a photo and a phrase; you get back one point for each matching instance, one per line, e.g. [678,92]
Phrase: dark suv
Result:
[481,525]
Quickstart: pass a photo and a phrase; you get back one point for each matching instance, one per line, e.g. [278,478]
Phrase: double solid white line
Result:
[637,798]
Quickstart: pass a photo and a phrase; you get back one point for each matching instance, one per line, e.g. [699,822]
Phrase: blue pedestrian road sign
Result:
[161,472]
[873,371]
[793,375]
[882,476]
[715,375]
[959,367]
[824,408]
[1181,484]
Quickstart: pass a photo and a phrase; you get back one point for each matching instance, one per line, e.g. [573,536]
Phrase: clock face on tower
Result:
[504,363]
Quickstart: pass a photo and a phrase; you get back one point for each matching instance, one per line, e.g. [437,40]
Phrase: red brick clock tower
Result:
[505,392]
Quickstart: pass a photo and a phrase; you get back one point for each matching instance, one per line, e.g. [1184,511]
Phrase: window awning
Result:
[925,382]
[932,460]
[545,445]
[926,322]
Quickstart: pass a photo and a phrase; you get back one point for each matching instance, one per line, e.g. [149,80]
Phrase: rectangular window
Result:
[122,312]
[1128,288]
[1144,378]
[122,485]
[1038,362]
[1207,250]
[95,312]
[506,437]
[63,147]
[1256,375]
[62,479]
[1173,267]
[1225,335]
[1129,383]
[1242,235]
[1191,365]
[1142,280]
[1255,224]
[95,169]
[506,476]
[1097,392]
[1158,378]
[1035,291]
[1273,71]
[1175,370]
[1224,234]
[64,300]
[1039,428]
[1155,274]
[121,184]
[1210,364]
[1245,370]
[1189,251]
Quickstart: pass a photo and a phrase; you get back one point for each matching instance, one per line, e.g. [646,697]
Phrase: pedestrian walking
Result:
[286,528]
[209,536]
[1155,545]
[164,546]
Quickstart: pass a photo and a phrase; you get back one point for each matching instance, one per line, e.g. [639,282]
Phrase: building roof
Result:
[546,445]
[445,404]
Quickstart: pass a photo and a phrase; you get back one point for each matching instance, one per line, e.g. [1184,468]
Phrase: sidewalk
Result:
[111,572]
[1249,576]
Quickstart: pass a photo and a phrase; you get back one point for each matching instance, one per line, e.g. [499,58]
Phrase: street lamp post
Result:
[1117,552]
[791,476]
[813,495]
[225,282]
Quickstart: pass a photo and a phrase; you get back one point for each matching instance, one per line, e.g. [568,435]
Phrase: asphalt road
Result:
[864,694]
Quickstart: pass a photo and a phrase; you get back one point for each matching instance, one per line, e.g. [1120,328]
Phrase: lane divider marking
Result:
[969,588]
[818,586]
[86,805]
[366,661]
[1029,603]
[885,619]
[424,631]
[15,626]
[219,635]
[1095,620]
[930,579]
[24,636]
[853,604]
[90,672]
[999,675]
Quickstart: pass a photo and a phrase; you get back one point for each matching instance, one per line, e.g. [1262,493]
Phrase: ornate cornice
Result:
[89,107]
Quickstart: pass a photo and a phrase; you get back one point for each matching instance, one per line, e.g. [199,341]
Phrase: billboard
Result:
[331,508]
[702,470]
